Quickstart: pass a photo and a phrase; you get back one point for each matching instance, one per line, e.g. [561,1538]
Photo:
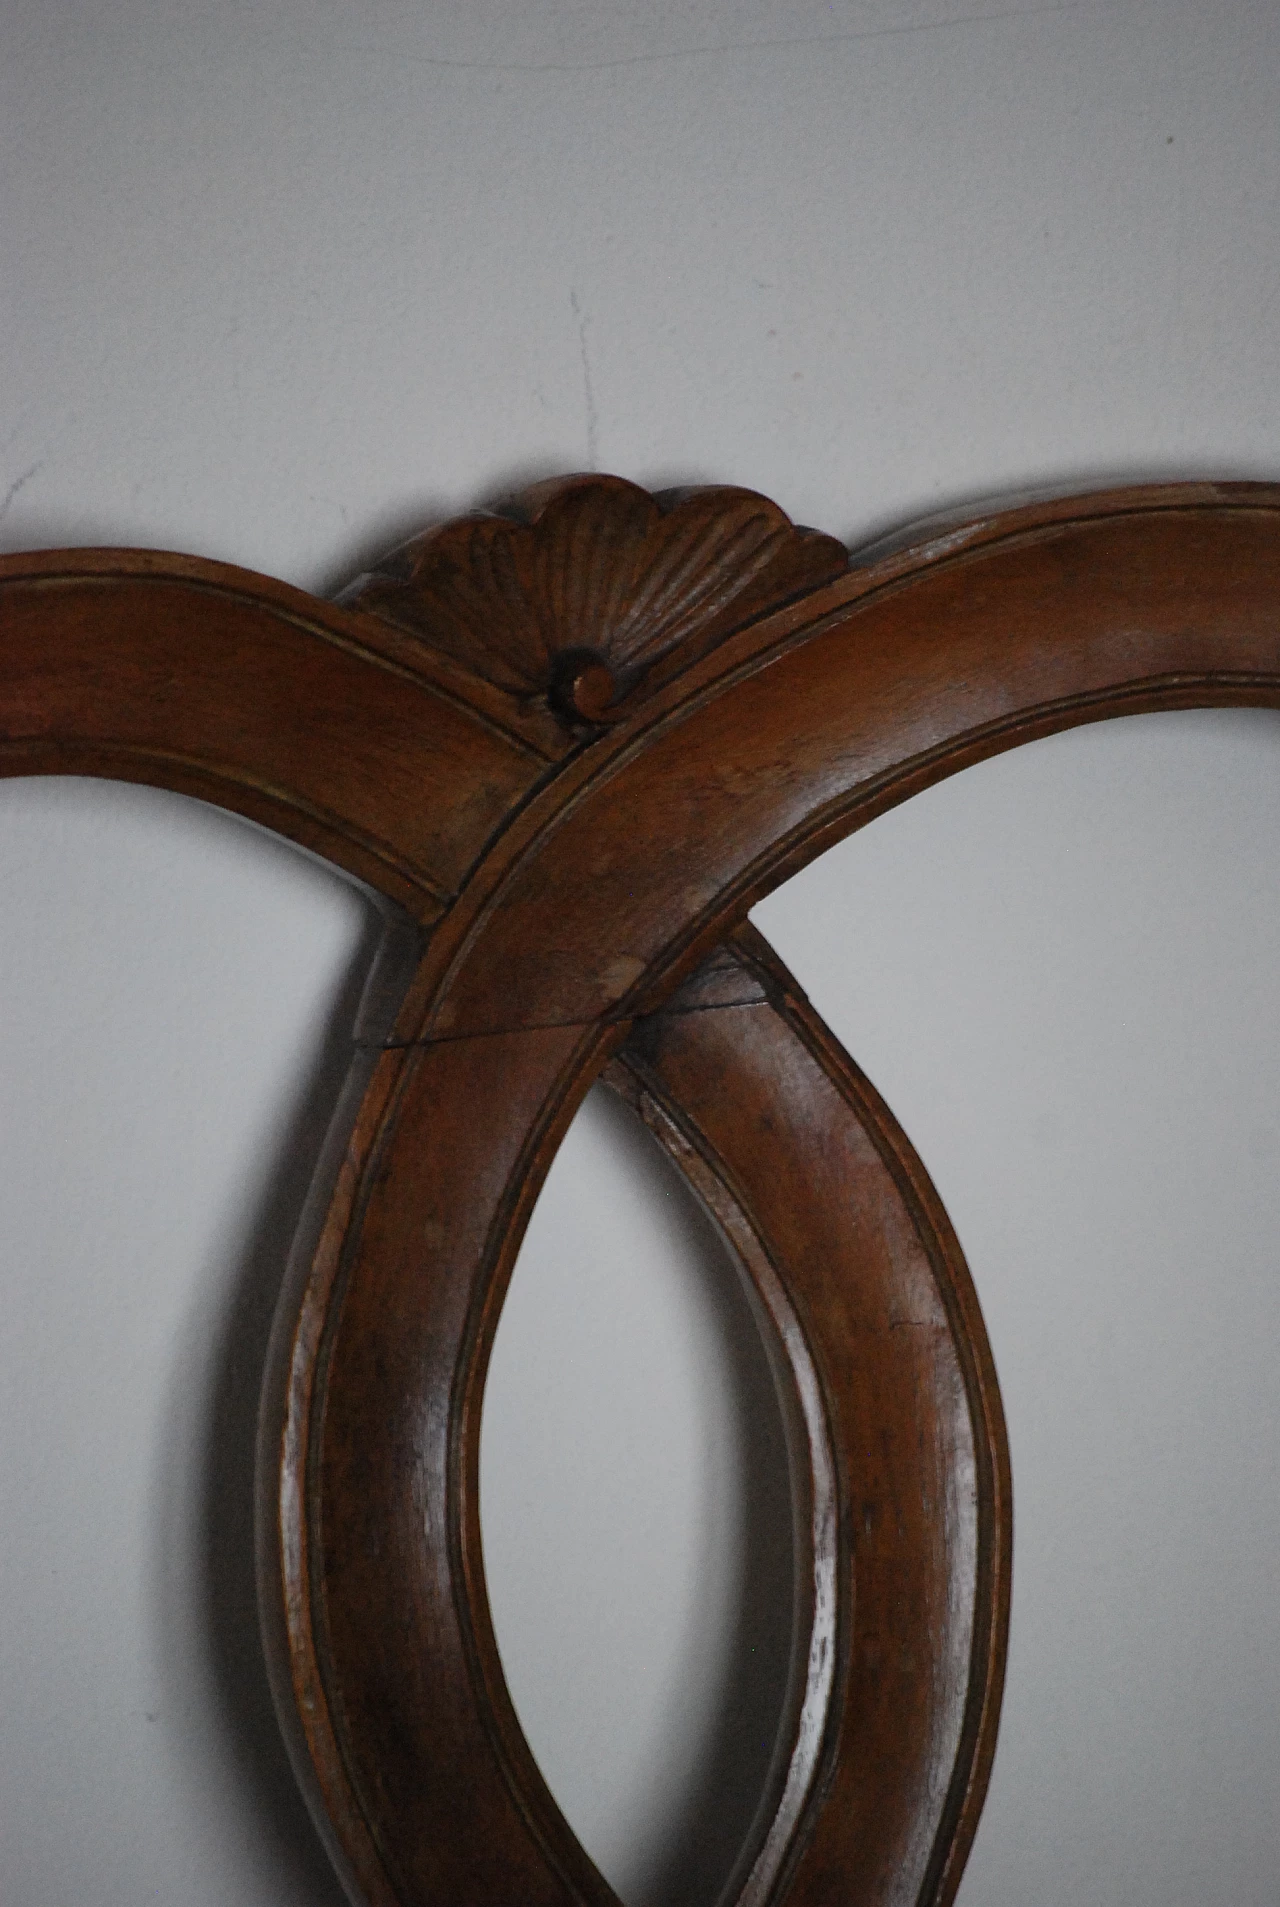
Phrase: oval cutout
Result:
[636,1517]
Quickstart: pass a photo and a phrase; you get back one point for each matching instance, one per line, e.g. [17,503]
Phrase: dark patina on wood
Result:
[570,749]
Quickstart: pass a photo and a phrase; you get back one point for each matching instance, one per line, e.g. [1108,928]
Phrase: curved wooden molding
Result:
[566,893]
[900,1464]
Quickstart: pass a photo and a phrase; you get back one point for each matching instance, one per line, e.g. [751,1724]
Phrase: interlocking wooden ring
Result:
[571,747]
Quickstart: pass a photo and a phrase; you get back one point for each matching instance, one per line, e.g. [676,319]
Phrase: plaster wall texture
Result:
[281,284]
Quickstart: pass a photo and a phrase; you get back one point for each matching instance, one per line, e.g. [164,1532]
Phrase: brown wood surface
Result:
[571,748]
[901,1466]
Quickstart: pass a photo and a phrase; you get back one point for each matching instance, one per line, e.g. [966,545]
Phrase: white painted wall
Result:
[281,283]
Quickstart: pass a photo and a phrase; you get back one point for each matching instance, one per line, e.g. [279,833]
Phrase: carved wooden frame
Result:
[570,747]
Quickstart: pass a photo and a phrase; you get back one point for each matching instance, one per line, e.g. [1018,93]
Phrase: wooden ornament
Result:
[570,747]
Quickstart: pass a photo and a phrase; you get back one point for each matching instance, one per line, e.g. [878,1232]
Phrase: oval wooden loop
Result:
[553,880]
[903,1523]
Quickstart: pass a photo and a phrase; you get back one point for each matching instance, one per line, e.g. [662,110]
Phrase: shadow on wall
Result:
[222,1626]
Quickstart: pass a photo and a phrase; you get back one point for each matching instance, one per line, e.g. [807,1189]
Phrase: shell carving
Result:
[581,587]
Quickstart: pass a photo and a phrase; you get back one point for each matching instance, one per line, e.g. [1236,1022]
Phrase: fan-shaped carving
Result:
[580,586]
